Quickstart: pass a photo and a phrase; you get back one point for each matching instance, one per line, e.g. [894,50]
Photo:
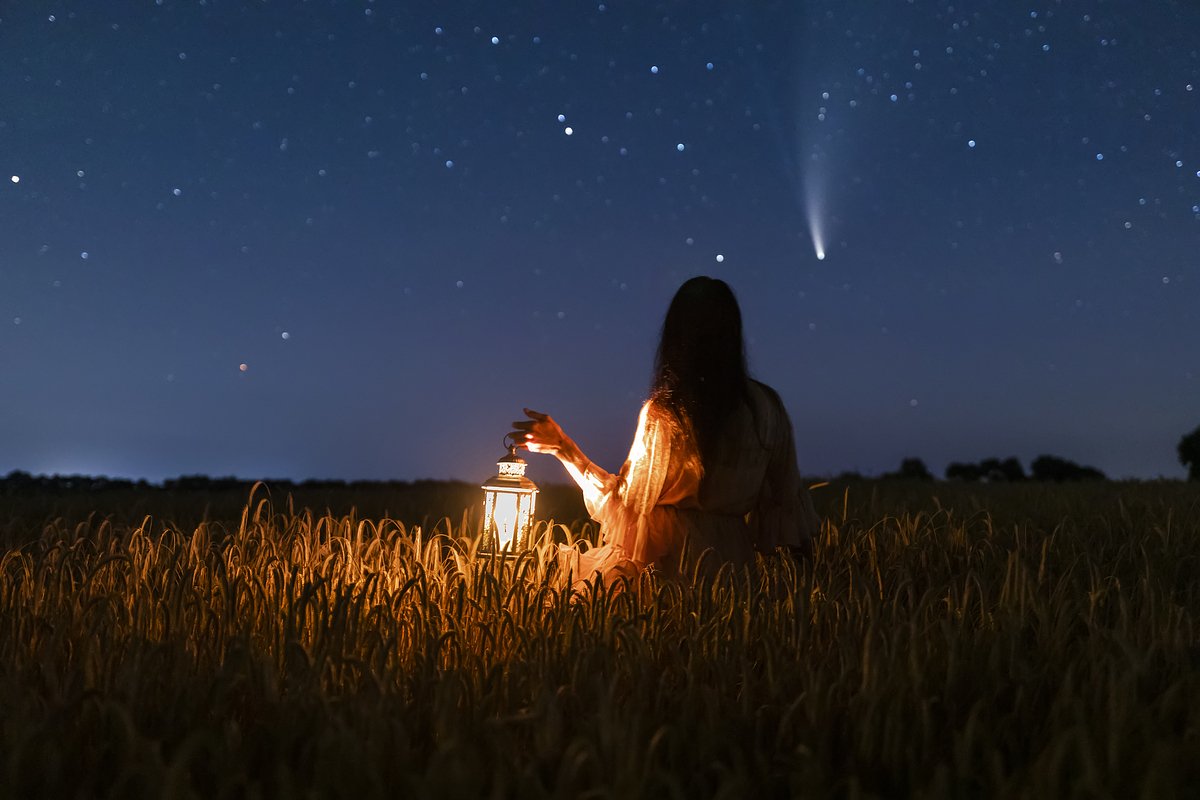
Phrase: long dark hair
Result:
[700,369]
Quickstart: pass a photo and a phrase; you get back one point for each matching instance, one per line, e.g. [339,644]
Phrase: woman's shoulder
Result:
[657,412]
[659,422]
[770,413]
[764,394]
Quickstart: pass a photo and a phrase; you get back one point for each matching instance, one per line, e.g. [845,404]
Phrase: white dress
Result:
[751,497]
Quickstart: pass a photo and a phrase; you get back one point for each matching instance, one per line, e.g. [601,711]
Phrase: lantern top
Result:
[511,469]
[512,457]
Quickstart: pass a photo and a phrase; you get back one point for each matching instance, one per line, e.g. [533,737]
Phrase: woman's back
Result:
[734,477]
[750,496]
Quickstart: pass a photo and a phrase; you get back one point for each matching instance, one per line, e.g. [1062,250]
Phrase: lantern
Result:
[508,501]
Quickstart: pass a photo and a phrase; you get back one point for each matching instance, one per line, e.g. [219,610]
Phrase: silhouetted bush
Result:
[911,469]
[1053,468]
[959,471]
[1009,469]
[992,470]
[1189,454]
[21,482]
[193,483]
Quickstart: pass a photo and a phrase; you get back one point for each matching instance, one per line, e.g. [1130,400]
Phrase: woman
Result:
[713,462]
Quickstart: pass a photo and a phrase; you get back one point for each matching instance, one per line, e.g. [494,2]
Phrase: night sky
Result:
[353,239]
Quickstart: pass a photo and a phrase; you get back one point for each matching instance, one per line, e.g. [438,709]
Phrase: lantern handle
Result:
[512,448]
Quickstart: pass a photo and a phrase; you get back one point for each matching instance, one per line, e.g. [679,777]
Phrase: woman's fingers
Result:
[538,434]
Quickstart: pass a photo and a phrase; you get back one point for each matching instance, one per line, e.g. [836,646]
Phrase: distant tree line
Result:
[20,482]
[1042,468]
[991,470]
[996,470]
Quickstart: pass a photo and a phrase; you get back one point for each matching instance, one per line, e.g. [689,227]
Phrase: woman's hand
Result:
[540,434]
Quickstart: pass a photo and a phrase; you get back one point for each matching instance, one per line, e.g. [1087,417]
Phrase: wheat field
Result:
[945,641]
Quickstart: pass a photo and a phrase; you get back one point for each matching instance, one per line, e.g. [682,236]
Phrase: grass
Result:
[946,641]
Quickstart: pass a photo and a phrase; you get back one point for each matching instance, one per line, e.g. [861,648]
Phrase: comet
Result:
[816,230]
[814,209]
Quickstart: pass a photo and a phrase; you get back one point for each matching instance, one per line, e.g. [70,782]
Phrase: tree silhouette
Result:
[1012,469]
[1053,468]
[992,470]
[958,471]
[995,470]
[1189,454]
[911,469]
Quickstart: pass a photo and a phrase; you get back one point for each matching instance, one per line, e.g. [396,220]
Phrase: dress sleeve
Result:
[623,503]
[784,515]
[639,483]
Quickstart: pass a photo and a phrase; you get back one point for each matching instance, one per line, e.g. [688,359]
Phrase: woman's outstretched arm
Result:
[638,484]
[541,434]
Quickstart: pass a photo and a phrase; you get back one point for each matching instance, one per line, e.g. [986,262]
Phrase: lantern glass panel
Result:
[505,517]
[527,512]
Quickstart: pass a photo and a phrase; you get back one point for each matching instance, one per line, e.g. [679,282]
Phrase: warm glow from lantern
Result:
[505,515]
[504,519]
[509,499]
